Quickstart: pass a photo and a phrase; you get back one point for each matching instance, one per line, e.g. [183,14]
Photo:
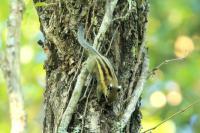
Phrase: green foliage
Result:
[170,20]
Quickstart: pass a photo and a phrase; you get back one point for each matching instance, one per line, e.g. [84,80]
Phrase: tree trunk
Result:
[117,30]
[10,66]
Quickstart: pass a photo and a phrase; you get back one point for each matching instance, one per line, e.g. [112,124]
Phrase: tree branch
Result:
[135,96]
[10,66]
[67,115]
[107,19]
[85,110]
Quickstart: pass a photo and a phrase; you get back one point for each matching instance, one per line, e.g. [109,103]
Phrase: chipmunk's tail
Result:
[83,42]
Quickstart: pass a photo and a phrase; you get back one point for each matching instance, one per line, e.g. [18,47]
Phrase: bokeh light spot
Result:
[174,98]
[183,46]
[158,99]
[26,54]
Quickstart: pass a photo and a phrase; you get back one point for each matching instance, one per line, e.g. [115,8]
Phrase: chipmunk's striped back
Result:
[107,80]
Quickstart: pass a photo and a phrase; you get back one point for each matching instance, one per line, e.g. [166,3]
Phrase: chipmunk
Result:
[102,68]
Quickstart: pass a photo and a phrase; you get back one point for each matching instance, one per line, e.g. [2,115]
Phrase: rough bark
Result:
[10,65]
[117,30]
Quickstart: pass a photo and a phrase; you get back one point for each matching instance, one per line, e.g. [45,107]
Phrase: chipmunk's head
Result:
[113,92]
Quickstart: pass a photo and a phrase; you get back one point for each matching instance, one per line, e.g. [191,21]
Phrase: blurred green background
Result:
[173,32]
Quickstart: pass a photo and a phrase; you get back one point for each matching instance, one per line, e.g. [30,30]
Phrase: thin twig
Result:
[172,116]
[164,63]
[92,21]
[76,73]
[87,17]
[85,93]
[112,40]
[84,114]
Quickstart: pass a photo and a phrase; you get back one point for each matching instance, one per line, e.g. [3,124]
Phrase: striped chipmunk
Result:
[107,83]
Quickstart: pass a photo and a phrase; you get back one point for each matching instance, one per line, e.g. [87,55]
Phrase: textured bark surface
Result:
[123,44]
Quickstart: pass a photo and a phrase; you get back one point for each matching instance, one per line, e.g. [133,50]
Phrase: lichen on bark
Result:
[121,39]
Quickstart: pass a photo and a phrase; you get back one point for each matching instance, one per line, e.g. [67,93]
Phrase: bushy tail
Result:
[86,45]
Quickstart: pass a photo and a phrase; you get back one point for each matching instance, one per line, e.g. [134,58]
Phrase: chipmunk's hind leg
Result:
[99,92]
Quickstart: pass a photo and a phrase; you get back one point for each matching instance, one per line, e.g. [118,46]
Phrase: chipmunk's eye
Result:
[110,87]
[119,88]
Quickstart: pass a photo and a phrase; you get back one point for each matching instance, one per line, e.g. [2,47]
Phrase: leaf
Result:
[40,4]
